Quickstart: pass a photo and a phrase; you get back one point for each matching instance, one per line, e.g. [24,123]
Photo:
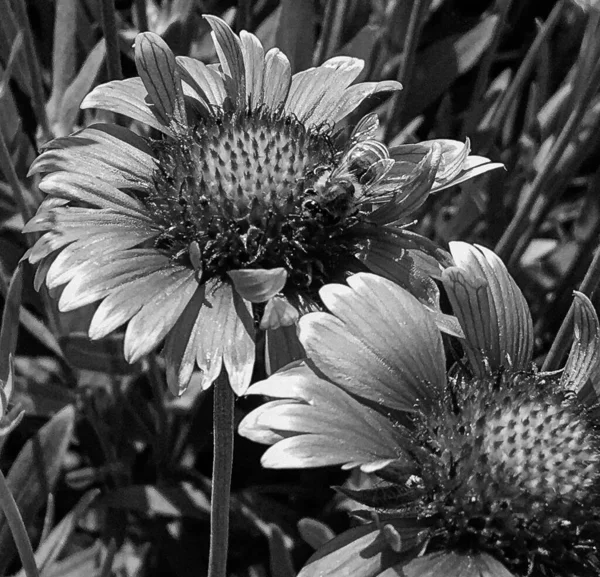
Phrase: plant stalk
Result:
[221,478]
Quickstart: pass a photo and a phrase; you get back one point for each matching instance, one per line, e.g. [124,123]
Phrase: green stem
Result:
[221,479]
[38,97]
[409,51]
[565,333]
[109,29]
[17,528]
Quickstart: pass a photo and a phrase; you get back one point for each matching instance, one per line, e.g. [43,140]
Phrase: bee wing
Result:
[365,129]
[375,173]
[359,159]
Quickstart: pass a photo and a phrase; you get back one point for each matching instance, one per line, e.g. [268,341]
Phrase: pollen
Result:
[242,188]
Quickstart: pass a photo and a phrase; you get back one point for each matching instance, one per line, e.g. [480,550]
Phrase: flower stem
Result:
[565,333]
[109,29]
[221,478]
[17,528]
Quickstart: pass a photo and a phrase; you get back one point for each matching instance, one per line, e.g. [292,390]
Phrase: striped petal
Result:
[157,316]
[109,153]
[231,58]
[207,83]
[155,63]
[381,344]
[276,79]
[122,304]
[491,310]
[583,363]
[322,416]
[254,66]
[229,338]
[128,97]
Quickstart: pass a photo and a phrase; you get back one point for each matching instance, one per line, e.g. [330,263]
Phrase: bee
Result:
[333,200]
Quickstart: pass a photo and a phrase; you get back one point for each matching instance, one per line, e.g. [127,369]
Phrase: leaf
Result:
[279,554]
[63,54]
[439,65]
[295,34]
[9,330]
[104,355]
[57,540]
[76,91]
[177,501]
[34,473]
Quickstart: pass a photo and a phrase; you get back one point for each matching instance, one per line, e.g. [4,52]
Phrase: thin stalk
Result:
[483,74]
[162,428]
[331,30]
[510,238]
[7,166]
[39,99]
[565,333]
[221,478]
[409,51]
[109,29]
[524,71]
[17,528]
[243,18]
[141,15]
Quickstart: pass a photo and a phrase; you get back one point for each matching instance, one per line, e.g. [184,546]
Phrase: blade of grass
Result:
[523,73]
[223,427]
[483,74]
[17,527]
[9,331]
[38,93]
[411,42]
[331,31]
[109,29]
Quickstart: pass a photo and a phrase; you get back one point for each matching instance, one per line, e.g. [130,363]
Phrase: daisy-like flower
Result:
[490,470]
[238,209]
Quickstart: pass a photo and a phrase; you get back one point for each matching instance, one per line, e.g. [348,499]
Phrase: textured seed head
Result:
[253,190]
[510,465]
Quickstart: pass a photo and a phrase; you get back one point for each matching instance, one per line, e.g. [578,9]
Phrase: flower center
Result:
[252,190]
[511,466]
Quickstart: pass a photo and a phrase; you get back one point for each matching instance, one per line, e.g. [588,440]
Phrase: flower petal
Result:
[206,82]
[276,80]
[84,188]
[491,310]
[122,304]
[254,66]
[319,411]
[383,345]
[451,564]
[231,58]
[278,313]
[156,317]
[155,63]
[258,285]
[228,337]
[97,279]
[584,359]
[181,345]
[355,95]
[363,551]
[126,97]
[313,91]
[108,153]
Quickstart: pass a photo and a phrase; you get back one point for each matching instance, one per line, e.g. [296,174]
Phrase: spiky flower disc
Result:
[235,205]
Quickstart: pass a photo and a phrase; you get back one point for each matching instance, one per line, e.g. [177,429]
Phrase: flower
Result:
[238,209]
[490,470]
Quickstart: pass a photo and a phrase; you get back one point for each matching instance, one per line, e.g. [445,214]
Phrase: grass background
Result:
[111,474]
